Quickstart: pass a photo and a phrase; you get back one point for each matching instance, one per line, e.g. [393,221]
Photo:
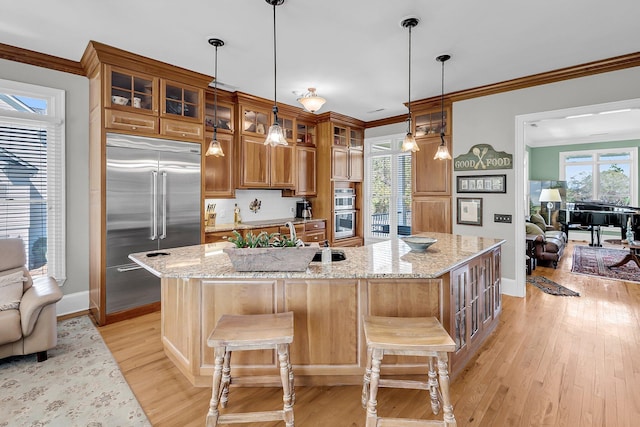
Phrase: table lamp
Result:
[550,195]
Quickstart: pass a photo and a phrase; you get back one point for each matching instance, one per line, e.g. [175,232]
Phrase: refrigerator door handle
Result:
[128,267]
[164,205]
[154,205]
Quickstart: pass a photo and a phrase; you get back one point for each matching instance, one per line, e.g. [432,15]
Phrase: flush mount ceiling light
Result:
[443,151]
[311,101]
[215,149]
[409,142]
[275,136]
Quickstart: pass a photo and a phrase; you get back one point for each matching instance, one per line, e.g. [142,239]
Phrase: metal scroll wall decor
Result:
[483,157]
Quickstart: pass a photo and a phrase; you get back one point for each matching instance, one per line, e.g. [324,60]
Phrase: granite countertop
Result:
[258,224]
[388,259]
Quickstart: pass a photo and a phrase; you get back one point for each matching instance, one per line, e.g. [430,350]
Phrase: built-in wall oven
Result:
[345,213]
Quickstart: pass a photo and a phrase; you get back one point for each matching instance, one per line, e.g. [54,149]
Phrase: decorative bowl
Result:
[418,243]
[119,100]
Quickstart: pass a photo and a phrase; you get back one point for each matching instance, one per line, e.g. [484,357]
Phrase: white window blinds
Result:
[32,181]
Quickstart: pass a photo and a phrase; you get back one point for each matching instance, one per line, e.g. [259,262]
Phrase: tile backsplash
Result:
[272,206]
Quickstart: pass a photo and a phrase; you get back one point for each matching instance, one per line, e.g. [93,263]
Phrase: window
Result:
[608,176]
[32,181]
[388,207]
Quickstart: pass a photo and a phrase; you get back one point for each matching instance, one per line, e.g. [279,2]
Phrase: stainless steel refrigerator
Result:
[153,204]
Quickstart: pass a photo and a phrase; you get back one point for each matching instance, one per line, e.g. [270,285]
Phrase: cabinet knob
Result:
[184,134]
[134,127]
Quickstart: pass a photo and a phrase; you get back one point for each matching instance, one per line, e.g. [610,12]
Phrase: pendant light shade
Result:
[275,136]
[409,143]
[311,101]
[443,151]
[215,149]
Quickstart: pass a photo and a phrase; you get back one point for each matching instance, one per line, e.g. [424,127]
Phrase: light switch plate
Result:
[505,218]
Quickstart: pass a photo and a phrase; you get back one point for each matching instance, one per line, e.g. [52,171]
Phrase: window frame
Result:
[54,121]
[595,170]
[394,152]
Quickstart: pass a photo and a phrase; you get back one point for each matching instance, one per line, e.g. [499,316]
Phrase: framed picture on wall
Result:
[481,184]
[469,211]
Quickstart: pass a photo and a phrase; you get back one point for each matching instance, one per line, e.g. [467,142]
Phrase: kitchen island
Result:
[457,280]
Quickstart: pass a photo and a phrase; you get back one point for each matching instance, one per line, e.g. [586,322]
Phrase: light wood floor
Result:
[552,361]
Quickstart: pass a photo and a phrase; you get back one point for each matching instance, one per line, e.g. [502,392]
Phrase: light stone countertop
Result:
[258,224]
[388,259]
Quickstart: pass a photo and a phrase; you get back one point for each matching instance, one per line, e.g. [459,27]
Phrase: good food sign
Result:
[483,157]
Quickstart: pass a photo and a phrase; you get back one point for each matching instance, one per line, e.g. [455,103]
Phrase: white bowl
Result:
[119,100]
[418,243]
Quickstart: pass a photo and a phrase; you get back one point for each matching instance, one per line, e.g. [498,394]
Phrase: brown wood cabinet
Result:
[340,164]
[263,166]
[431,180]
[133,95]
[474,304]
[218,171]
[431,214]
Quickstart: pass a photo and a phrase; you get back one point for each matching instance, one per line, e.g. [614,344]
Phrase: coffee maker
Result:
[303,209]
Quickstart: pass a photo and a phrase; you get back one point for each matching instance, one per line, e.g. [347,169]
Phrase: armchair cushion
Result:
[533,229]
[11,290]
[539,221]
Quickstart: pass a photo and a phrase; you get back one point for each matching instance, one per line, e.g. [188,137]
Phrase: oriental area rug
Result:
[548,286]
[79,385]
[593,261]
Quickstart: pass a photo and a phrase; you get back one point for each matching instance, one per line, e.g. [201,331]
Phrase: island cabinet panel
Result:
[404,298]
[237,297]
[325,321]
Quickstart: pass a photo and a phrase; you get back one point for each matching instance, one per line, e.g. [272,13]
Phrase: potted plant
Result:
[269,252]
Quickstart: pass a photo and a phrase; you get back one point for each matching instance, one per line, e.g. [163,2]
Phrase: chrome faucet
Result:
[292,233]
[292,230]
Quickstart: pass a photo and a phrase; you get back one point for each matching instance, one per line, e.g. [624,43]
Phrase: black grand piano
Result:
[593,215]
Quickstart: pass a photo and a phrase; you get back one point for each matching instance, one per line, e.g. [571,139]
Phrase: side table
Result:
[634,251]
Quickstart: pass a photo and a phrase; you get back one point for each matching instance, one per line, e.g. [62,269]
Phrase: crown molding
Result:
[38,59]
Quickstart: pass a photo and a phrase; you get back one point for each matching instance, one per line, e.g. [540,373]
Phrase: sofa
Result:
[28,322]
[547,243]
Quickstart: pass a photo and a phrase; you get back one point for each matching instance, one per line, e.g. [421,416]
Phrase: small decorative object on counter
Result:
[630,236]
[255,206]
[236,215]
[326,253]
[210,217]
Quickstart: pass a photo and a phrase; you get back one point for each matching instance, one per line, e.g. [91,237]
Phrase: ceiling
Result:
[354,52]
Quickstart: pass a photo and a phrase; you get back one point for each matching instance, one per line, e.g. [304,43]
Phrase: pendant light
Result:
[443,151]
[311,101]
[409,142]
[275,136]
[215,149]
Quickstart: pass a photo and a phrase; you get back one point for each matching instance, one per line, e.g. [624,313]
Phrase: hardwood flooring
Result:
[552,361]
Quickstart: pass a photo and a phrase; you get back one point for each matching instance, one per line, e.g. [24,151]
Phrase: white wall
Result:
[77,167]
[492,120]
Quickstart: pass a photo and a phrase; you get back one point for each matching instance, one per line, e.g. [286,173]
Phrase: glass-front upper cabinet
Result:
[181,100]
[126,89]
[340,136]
[431,123]
[356,138]
[255,121]
[224,116]
[287,128]
[305,134]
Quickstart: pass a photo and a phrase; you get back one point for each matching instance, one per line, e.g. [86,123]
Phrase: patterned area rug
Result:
[80,384]
[548,286]
[594,261]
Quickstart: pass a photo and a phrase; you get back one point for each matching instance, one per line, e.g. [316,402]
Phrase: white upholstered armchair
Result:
[28,321]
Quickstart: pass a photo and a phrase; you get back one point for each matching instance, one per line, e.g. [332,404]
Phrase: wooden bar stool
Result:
[407,336]
[250,332]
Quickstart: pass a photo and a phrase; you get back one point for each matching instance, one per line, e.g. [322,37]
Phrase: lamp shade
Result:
[550,195]
[311,101]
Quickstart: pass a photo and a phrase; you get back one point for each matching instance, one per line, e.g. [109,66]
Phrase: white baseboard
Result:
[509,287]
[73,303]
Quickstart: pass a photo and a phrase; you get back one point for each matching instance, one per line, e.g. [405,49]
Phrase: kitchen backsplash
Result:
[272,206]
